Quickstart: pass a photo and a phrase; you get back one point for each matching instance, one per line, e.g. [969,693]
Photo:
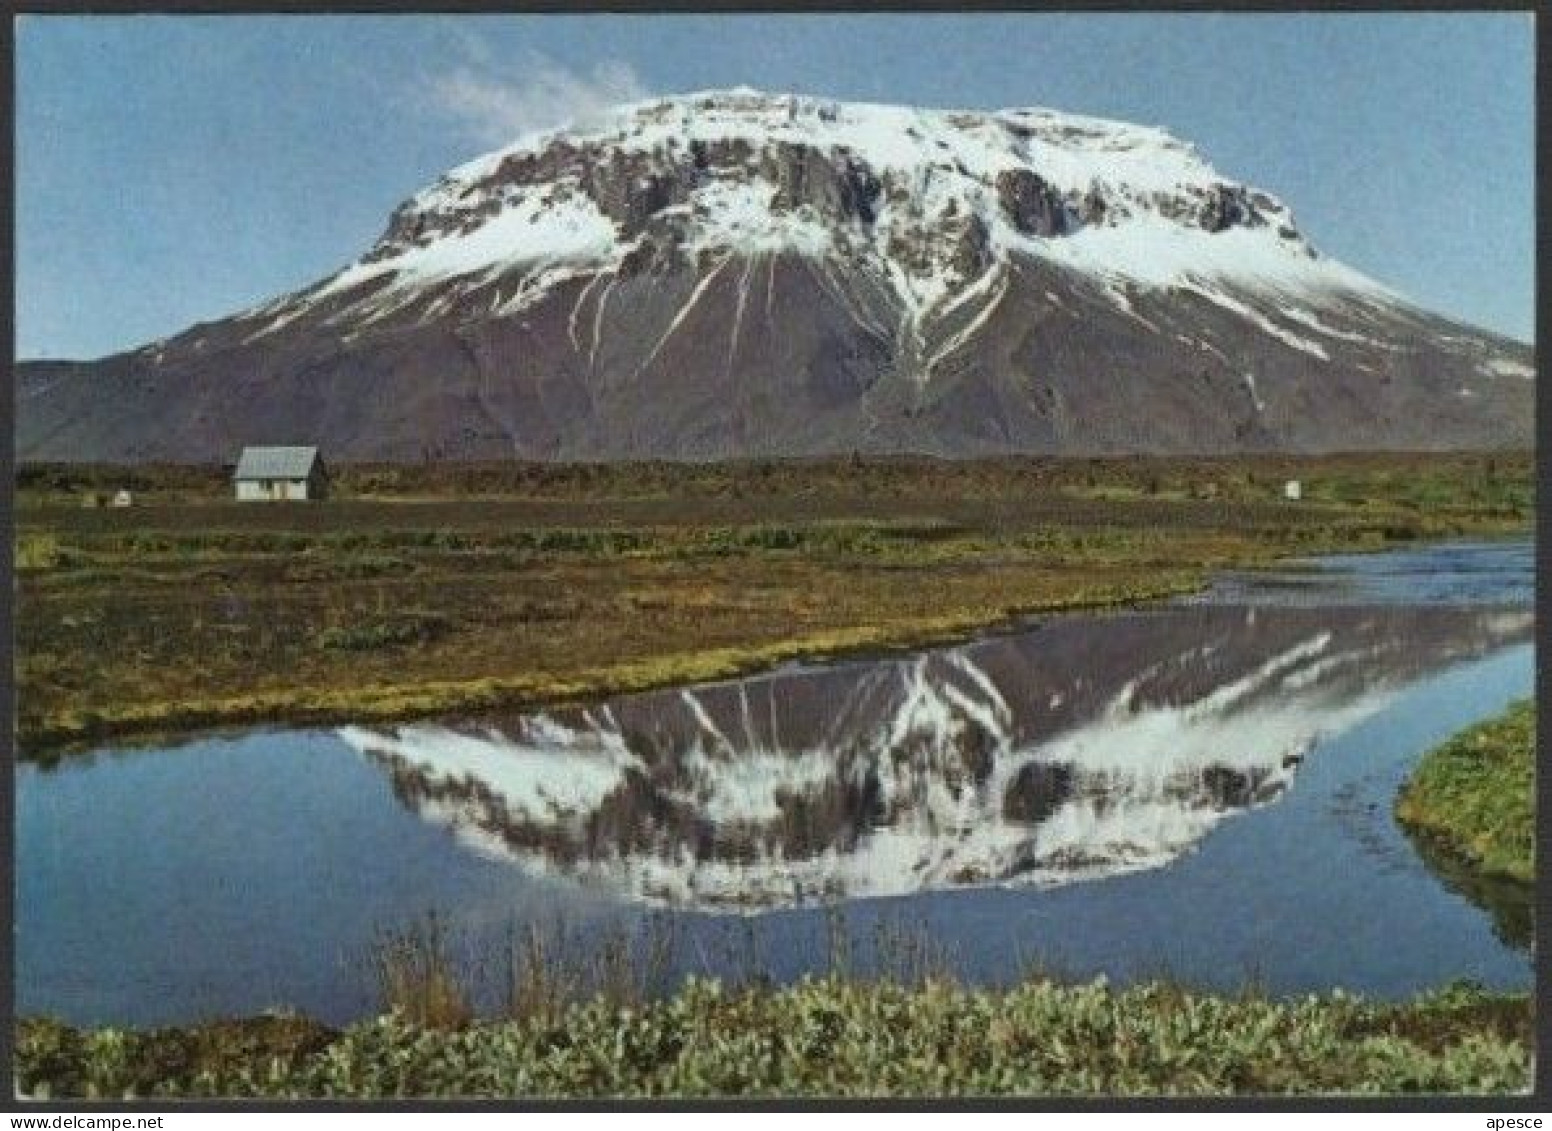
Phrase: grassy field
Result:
[417,590]
[826,1037]
[1474,797]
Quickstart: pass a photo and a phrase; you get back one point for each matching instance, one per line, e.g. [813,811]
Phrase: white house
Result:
[269,474]
[1293,490]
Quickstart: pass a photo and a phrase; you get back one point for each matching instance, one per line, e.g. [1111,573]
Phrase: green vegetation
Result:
[37,551]
[399,629]
[826,1037]
[420,590]
[1474,797]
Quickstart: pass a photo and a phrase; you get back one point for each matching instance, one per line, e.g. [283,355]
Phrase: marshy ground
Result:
[416,590]
[1475,796]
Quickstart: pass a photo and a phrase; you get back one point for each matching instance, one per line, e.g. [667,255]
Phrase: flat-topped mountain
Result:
[735,273]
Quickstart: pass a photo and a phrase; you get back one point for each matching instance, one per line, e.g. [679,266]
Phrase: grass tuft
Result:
[36,550]
[386,632]
[1474,796]
[417,979]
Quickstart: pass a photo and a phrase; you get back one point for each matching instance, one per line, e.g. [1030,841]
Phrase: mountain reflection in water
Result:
[1083,748]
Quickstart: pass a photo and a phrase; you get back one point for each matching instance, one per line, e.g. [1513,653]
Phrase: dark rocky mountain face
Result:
[739,274]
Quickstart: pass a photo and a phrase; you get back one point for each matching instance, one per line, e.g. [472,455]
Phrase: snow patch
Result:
[1255,396]
[1507,367]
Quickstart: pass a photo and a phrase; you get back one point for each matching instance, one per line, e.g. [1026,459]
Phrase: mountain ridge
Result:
[734,273]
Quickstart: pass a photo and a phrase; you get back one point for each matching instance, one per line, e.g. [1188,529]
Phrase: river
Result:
[1200,790]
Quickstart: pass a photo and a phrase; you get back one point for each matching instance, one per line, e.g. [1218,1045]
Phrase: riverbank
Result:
[830,1037]
[421,591]
[1474,797]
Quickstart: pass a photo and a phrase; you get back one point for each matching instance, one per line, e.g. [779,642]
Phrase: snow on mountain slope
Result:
[735,273]
[1121,202]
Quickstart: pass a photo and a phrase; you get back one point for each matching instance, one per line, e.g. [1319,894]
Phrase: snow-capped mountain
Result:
[732,272]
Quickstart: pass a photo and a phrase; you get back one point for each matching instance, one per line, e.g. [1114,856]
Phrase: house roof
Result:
[276,463]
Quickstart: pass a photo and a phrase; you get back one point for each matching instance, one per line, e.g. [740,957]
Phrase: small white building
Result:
[1293,490]
[123,498]
[275,474]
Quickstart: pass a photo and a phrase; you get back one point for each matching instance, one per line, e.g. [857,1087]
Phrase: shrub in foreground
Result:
[830,1037]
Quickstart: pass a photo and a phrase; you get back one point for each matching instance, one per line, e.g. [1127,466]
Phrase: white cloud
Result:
[496,105]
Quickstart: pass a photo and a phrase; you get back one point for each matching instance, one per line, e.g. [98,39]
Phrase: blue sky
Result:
[172,169]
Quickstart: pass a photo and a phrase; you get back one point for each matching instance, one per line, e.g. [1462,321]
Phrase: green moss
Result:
[1474,796]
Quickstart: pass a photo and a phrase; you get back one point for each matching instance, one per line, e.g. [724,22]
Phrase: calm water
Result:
[1201,790]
